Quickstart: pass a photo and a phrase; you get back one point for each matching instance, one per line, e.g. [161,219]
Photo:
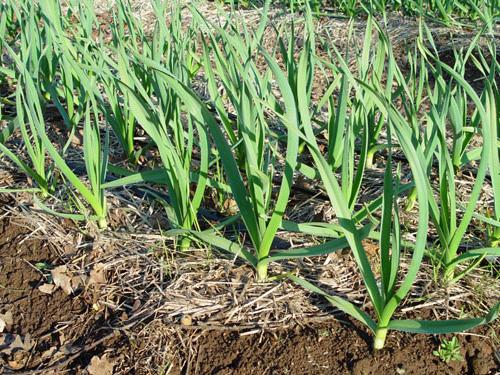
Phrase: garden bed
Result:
[82,331]
[200,220]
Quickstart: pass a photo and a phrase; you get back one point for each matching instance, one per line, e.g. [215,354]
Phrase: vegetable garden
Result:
[231,124]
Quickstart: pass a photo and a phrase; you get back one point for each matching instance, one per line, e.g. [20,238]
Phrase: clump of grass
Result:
[449,350]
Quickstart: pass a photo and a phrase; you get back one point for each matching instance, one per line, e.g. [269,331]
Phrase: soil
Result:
[52,327]
[334,349]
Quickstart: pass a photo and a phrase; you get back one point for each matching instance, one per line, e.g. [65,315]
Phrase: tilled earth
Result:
[44,328]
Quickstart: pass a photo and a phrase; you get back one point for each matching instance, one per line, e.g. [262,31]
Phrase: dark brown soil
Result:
[33,311]
[54,327]
[334,349]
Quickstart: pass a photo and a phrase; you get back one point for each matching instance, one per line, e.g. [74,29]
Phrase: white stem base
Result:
[380,336]
[262,272]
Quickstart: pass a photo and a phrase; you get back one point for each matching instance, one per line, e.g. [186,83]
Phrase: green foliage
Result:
[259,126]
[449,12]
[449,350]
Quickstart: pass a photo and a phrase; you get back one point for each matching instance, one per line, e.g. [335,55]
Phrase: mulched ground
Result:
[50,333]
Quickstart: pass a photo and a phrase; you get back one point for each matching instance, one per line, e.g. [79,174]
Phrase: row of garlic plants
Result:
[257,129]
